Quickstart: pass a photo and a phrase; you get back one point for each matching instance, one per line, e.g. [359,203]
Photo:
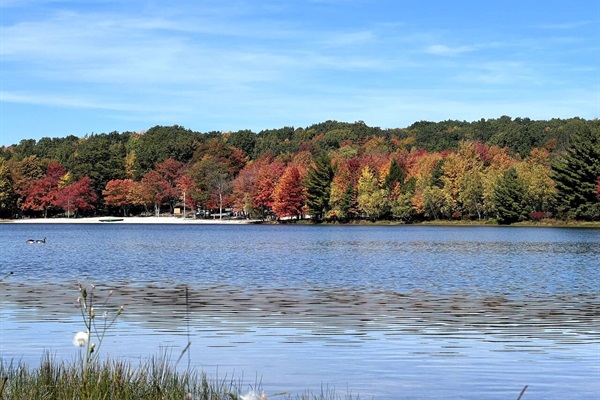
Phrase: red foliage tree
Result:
[289,196]
[40,194]
[154,189]
[242,187]
[170,170]
[76,197]
[189,191]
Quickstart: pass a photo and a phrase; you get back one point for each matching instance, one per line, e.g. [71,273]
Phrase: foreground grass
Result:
[156,379]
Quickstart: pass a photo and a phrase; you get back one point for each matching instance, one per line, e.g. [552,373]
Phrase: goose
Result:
[30,241]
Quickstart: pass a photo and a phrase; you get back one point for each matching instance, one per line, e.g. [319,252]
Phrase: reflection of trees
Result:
[322,311]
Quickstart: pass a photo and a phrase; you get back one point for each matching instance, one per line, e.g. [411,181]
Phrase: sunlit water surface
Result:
[384,312]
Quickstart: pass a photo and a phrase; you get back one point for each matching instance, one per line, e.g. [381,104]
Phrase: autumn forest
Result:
[501,170]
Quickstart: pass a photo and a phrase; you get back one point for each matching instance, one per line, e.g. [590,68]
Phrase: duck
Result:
[41,240]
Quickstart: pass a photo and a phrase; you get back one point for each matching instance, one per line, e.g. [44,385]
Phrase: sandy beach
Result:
[128,220]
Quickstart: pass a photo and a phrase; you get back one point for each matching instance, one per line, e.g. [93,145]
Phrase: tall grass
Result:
[154,379]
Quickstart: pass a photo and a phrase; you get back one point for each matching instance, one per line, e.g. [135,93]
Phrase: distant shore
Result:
[552,223]
[128,220]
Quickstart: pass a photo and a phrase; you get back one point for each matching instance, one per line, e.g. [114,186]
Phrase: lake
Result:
[387,312]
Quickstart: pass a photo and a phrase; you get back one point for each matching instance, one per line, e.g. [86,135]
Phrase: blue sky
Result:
[93,66]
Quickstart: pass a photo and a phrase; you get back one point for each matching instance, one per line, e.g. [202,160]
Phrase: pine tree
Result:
[509,198]
[396,175]
[318,187]
[576,175]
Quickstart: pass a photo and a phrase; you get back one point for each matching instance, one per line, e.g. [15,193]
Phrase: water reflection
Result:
[325,314]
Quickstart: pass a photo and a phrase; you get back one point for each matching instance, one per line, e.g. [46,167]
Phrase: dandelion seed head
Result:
[80,339]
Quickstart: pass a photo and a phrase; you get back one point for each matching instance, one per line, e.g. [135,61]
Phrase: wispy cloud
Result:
[349,38]
[565,25]
[70,101]
[220,65]
[444,50]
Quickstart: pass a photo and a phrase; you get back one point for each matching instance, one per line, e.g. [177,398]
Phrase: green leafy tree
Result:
[435,203]
[212,178]
[576,175]
[8,195]
[400,202]
[101,158]
[162,142]
[244,140]
[318,187]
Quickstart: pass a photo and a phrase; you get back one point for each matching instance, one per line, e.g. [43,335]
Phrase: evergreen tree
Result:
[576,175]
[318,187]
[396,175]
[509,198]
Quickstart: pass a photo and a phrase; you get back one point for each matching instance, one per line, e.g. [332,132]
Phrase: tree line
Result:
[503,169]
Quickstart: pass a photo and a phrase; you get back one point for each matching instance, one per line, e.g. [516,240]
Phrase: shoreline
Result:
[129,220]
[171,220]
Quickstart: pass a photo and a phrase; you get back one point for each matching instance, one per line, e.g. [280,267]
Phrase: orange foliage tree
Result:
[289,196]
[118,193]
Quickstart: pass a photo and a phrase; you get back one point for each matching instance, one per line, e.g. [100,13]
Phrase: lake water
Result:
[395,312]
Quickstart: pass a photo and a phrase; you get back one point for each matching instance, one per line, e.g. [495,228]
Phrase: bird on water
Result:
[30,241]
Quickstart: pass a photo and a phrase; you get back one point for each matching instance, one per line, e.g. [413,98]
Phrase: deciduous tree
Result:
[40,194]
[76,197]
[155,189]
[372,200]
[289,196]
[8,195]
[536,172]
[267,180]
[119,193]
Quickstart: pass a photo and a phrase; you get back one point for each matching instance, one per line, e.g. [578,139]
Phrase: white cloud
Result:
[443,50]
[565,25]
[349,39]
